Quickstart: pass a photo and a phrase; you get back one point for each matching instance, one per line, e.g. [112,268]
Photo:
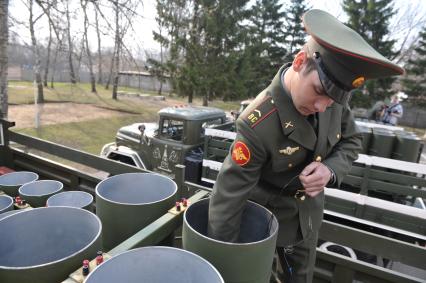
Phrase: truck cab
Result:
[176,138]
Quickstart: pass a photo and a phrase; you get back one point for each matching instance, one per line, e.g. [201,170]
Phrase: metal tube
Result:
[36,193]
[6,203]
[127,203]
[71,198]
[44,245]
[10,183]
[155,265]
[250,260]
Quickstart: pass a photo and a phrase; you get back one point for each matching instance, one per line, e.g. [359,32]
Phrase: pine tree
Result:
[414,83]
[224,34]
[205,42]
[295,33]
[265,44]
[370,18]
[172,19]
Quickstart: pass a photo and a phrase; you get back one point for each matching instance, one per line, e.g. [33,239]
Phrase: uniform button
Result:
[338,136]
[318,158]
[290,165]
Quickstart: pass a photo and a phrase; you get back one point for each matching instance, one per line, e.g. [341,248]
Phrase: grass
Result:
[23,93]
[87,136]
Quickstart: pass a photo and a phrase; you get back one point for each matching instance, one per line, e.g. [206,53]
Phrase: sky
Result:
[142,38]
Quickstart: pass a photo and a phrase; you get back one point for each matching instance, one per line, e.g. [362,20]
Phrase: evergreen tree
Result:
[223,39]
[370,18]
[294,31]
[205,42]
[173,21]
[415,82]
[265,46]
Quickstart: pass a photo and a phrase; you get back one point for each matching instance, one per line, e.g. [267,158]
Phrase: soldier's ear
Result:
[299,60]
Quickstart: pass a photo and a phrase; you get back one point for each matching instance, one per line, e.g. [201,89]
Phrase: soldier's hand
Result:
[314,178]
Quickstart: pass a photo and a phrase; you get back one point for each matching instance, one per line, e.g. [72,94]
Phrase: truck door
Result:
[167,146]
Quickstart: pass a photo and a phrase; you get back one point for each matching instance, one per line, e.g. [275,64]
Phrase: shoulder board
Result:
[259,111]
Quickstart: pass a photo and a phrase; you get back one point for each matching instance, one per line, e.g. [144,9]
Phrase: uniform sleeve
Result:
[240,172]
[345,152]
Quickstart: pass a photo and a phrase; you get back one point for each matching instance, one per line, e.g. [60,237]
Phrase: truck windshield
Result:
[172,129]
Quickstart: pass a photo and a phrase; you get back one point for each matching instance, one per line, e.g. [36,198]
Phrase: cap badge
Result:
[358,81]
[241,153]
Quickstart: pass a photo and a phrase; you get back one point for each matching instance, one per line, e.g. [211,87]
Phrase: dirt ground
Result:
[53,113]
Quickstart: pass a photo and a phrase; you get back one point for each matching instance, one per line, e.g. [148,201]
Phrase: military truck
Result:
[200,137]
[393,233]
[177,138]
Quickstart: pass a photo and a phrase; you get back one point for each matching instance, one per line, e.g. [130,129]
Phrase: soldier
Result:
[295,138]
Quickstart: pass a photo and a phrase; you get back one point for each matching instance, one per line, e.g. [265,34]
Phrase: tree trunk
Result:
[110,70]
[206,98]
[98,33]
[161,87]
[89,56]
[40,95]
[4,35]
[49,44]
[190,96]
[117,51]
[55,57]
[79,57]
[70,47]
[161,77]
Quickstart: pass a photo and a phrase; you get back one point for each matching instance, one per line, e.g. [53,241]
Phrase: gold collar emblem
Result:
[289,150]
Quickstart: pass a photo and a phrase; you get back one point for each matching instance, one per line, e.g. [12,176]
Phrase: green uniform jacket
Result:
[275,142]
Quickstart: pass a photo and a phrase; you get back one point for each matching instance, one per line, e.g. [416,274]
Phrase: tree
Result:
[46,68]
[98,34]
[205,42]
[216,49]
[86,42]
[36,53]
[70,45]
[294,31]
[4,35]
[266,46]
[161,66]
[371,18]
[173,21]
[414,84]
[55,57]
[117,44]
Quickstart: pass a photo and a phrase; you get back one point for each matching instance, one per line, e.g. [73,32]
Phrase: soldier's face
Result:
[307,92]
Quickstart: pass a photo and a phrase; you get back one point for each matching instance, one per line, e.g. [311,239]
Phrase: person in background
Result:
[393,112]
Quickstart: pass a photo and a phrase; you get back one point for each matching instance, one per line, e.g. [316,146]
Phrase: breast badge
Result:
[289,150]
[241,153]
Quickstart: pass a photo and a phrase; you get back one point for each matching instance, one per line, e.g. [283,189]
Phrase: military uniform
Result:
[275,142]
[280,142]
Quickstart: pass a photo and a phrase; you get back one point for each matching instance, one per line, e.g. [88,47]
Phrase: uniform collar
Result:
[294,125]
